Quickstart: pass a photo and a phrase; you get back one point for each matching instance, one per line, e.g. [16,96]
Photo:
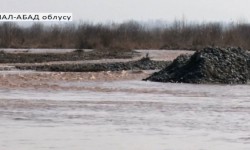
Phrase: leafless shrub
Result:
[125,36]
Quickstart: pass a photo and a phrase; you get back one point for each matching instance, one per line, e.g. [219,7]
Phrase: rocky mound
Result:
[210,65]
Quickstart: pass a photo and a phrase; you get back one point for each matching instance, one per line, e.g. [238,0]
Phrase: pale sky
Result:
[140,10]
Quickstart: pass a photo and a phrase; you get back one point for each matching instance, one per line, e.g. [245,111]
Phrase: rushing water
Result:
[126,115]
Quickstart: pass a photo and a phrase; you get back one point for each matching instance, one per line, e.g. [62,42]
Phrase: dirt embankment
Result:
[84,61]
[77,55]
[142,64]
[210,65]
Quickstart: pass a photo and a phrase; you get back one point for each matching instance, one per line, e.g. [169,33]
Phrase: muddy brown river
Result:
[118,111]
[124,114]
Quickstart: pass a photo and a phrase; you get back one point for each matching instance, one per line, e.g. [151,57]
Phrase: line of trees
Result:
[128,35]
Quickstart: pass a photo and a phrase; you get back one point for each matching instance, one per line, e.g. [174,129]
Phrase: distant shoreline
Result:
[125,36]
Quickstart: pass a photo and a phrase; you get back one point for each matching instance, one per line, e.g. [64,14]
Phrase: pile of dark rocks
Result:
[210,65]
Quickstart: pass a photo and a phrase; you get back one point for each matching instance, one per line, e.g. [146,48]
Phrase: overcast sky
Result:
[140,10]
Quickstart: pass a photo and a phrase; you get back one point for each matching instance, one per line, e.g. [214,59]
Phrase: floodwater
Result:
[118,111]
[125,115]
